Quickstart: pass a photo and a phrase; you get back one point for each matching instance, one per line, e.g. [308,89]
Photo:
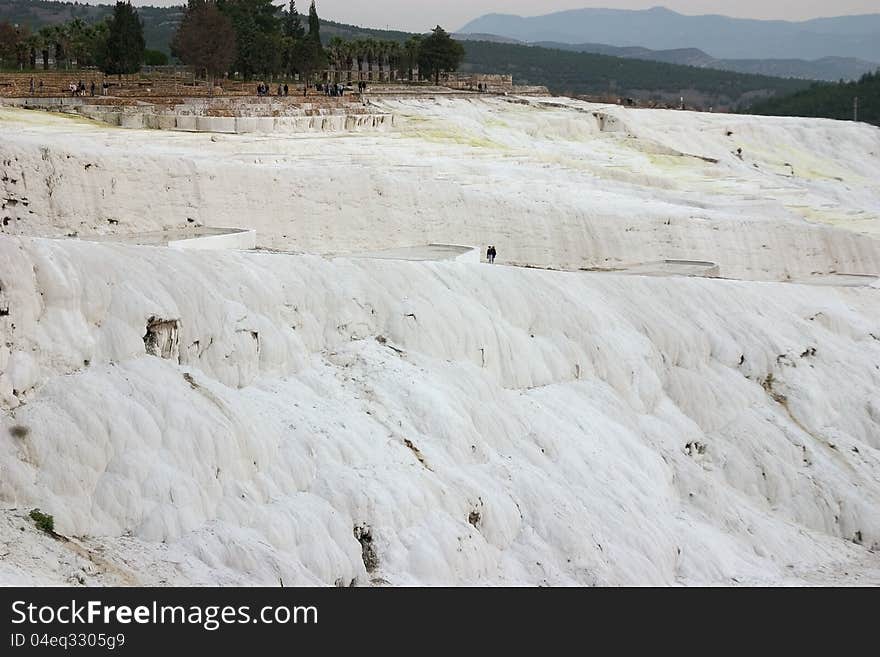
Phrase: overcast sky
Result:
[421,15]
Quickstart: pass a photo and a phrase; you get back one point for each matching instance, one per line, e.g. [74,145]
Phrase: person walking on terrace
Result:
[490,255]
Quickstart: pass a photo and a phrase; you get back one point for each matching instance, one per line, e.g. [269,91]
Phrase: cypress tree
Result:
[312,56]
[123,50]
[314,24]
[293,27]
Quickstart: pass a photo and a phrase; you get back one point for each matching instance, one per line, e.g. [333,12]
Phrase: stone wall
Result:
[494,83]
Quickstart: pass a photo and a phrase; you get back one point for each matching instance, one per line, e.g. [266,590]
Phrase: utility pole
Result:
[856,109]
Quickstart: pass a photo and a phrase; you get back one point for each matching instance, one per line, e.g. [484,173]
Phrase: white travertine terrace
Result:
[220,417]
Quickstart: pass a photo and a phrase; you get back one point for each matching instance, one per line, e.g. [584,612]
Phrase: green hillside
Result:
[830,101]
[159,22]
[578,73]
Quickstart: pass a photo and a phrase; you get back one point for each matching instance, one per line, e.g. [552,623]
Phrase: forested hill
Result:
[577,73]
[562,72]
[832,101]
[159,22]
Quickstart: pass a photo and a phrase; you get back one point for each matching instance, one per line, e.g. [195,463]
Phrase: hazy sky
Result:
[421,15]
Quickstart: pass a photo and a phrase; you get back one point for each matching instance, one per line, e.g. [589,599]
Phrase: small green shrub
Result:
[43,521]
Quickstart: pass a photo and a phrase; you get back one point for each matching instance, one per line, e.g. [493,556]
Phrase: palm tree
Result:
[378,58]
[381,57]
[361,52]
[40,46]
[393,51]
[79,35]
[32,45]
[334,50]
[348,57]
[54,40]
[411,51]
[62,45]
[372,50]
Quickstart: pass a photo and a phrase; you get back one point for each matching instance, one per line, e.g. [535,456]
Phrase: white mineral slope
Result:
[482,425]
[551,182]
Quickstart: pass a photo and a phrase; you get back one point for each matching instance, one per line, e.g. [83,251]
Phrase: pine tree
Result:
[439,53]
[258,35]
[123,50]
[205,39]
[9,38]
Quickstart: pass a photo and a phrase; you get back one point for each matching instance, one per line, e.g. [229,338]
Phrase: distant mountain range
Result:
[724,38]
[827,68]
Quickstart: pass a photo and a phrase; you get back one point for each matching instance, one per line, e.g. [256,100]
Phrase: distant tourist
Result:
[286,89]
[490,255]
[280,90]
[92,88]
